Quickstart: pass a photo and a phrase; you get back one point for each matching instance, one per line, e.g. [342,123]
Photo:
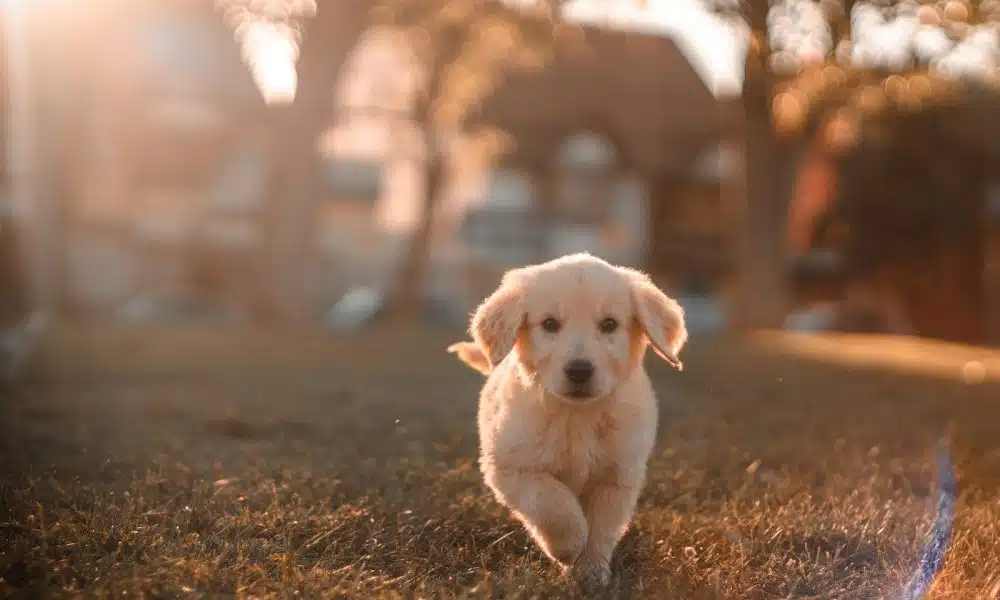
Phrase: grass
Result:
[199,463]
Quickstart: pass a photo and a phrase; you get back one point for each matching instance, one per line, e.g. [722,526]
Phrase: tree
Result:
[320,36]
[883,92]
[463,48]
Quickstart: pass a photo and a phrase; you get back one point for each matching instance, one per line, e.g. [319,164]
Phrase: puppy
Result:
[567,416]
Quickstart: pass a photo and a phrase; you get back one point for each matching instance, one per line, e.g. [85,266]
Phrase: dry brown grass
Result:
[196,463]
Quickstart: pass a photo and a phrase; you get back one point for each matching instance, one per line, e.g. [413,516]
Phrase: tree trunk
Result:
[288,242]
[762,251]
[287,251]
[761,206]
[406,303]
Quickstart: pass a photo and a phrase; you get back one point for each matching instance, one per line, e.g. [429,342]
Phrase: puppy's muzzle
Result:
[579,374]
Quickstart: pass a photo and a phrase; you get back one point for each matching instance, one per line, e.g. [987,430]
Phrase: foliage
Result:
[881,87]
[830,62]
[462,47]
[465,47]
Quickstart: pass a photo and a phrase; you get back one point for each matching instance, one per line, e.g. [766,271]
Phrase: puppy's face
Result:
[578,337]
[579,325]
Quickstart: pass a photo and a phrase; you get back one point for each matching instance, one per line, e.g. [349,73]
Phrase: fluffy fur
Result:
[566,451]
[472,355]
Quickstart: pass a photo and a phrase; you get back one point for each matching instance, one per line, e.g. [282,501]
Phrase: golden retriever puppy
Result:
[567,416]
[472,355]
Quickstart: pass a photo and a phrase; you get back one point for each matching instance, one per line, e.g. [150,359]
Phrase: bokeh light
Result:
[269,33]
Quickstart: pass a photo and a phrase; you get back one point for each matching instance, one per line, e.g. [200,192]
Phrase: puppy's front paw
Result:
[593,576]
[563,539]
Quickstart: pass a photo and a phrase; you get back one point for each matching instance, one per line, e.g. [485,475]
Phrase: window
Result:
[504,229]
[355,180]
[586,169]
[599,206]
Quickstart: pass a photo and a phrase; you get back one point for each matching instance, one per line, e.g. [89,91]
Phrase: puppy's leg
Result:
[548,509]
[609,507]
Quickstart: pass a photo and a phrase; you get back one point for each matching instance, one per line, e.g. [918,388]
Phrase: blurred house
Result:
[176,163]
[621,147]
[620,151]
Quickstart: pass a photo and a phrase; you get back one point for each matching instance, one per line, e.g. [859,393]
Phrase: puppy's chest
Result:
[577,448]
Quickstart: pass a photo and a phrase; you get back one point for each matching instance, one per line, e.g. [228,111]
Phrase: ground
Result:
[201,462]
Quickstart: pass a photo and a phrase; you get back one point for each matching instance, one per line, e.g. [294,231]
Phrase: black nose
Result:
[579,371]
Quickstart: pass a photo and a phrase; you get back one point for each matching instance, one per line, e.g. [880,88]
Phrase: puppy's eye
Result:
[551,325]
[608,325]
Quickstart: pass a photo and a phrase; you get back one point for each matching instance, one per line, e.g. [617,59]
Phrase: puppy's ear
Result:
[661,317]
[496,321]
[472,355]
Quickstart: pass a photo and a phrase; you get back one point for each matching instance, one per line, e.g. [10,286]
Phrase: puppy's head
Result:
[578,324]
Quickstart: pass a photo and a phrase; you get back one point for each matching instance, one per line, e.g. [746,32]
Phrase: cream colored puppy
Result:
[567,416]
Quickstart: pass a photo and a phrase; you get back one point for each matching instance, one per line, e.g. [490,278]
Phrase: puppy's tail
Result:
[933,554]
[472,355]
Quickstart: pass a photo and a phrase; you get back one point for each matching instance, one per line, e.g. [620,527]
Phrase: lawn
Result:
[169,463]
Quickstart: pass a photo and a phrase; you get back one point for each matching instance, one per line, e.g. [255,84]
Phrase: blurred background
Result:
[803,165]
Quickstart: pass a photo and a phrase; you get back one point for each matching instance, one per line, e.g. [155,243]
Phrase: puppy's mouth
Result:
[579,394]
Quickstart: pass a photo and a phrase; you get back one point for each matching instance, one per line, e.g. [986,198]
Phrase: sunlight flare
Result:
[271,52]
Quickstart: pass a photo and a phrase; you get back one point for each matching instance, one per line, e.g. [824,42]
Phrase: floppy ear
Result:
[472,355]
[496,321]
[661,317]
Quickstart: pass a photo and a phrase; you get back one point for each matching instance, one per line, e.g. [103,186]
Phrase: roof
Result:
[638,90]
[714,46]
